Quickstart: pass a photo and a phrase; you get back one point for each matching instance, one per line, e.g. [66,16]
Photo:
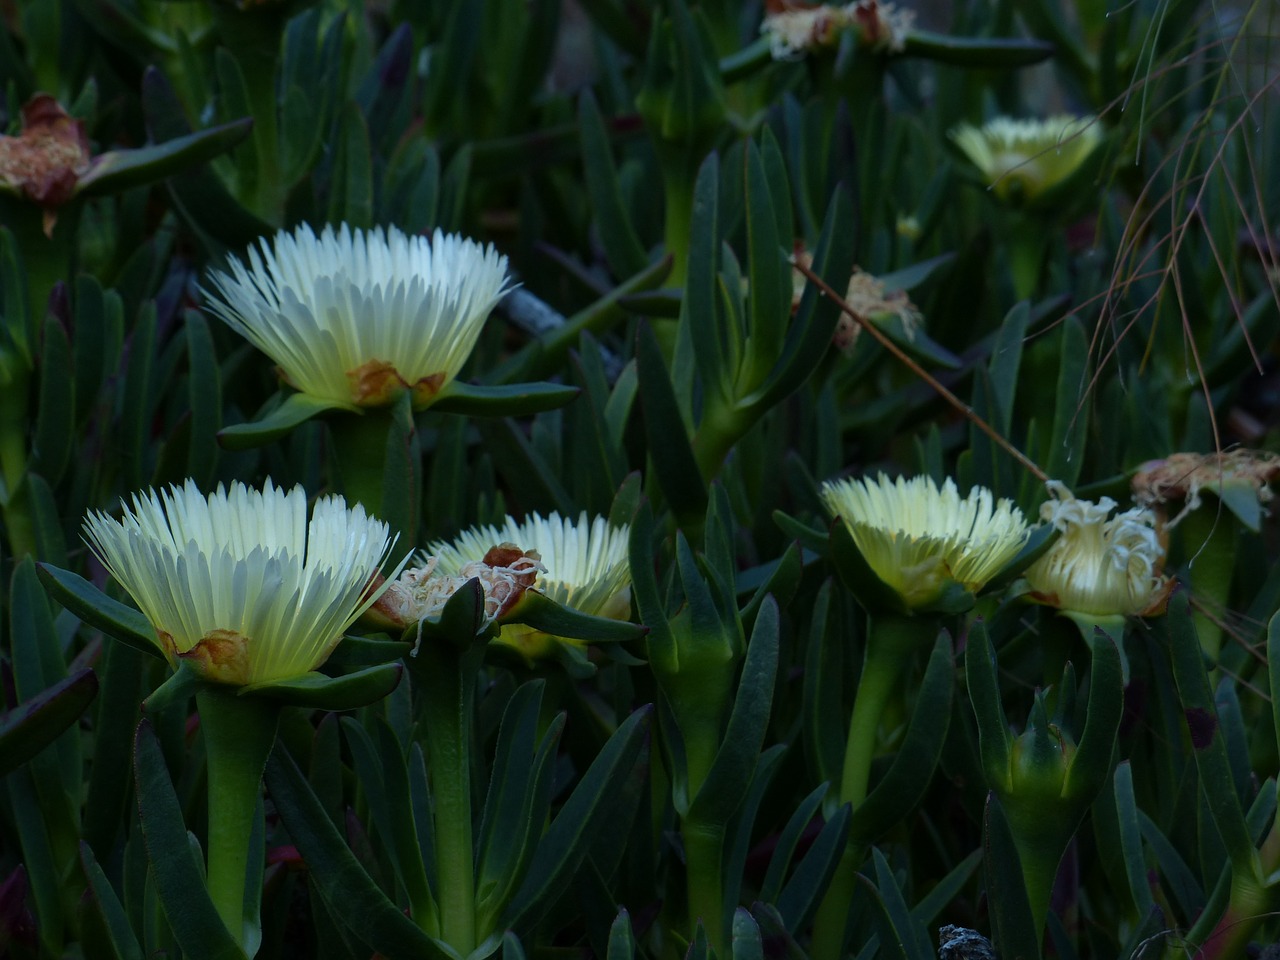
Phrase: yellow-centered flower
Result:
[1021,159]
[917,537]
[586,567]
[1101,565]
[241,584]
[357,317]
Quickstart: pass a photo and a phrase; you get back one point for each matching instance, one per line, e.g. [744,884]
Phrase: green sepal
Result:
[461,622]
[319,692]
[31,726]
[988,53]
[98,610]
[502,400]
[119,170]
[296,409]
[362,652]
[176,873]
[539,611]
[875,596]
[179,687]
[743,63]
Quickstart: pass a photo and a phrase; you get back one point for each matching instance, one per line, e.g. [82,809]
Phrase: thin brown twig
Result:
[883,339]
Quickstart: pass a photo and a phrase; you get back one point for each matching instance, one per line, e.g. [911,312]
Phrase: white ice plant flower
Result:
[917,537]
[241,584]
[355,317]
[1021,159]
[1103,565]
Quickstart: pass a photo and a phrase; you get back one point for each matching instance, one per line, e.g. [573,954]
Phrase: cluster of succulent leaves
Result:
[690,774]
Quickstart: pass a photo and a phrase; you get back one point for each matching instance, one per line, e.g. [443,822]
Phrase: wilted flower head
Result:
[46,161]
[794,28]
[1240,477]
[356,317]
[1021,159]
[917,538]
[1101,565]
[586,566]
[868,297]
[505,572]
[241,584]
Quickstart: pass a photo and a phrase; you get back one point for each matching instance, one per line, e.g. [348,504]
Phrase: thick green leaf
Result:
[1207,744]
[502,400]
[617,235]
[906,781]
[346,888]
[539,611]
[701,318]
[319,692]
[205,394]
[986,53]
[622,942]
[673,463]
[516,808]
[179,878]
[115,922]
[55,410]
[769,273]
[98,610]
[119,170]
[900,928]
[586,811]
[362,652]
[296,408]
[30,727]
[1135,866]
[735,762]
[800,898]
[995,740]
[1012,925]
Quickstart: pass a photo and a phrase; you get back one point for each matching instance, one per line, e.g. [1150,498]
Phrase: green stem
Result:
[238,735]
[704,866]
[360,452]
[677,183]
[1027,240]
[890,643]
[448,677]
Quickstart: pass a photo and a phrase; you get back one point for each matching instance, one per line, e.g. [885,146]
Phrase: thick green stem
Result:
[448,677]
[890,642]
[1111,624]
[238,735]
[1027,241]
[678,223]
[360,448]
[704,867]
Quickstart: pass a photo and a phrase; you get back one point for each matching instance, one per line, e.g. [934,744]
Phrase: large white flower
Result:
[585,561]
[1101,565]
[1023,158]
[241,584]
[916,537]
[356,317]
